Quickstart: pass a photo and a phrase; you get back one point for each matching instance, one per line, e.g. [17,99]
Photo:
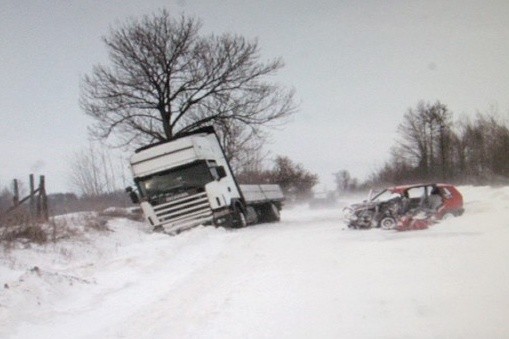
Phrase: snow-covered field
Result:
[306,277]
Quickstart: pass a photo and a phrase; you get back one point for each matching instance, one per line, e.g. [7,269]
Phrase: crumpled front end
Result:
[359,216]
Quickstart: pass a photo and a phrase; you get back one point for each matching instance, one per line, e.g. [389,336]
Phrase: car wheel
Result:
[388,223]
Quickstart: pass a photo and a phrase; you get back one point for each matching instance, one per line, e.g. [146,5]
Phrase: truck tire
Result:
[270,213]
[276,216]
[238,219]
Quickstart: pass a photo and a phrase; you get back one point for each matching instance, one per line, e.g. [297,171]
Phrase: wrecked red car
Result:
[399,207]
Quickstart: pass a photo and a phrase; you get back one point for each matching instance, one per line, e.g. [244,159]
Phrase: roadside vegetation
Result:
[70,217]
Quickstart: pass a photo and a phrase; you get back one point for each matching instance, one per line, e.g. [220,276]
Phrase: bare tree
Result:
[484,146]
[343,180]
[166,79]
[6,198]
[95,171]
[293,178]
[439,120]
[243,146]
[426,139]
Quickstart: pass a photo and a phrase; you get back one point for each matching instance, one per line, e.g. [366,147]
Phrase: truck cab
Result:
[188,181]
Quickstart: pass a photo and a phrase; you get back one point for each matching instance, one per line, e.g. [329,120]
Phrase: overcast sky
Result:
[357,66]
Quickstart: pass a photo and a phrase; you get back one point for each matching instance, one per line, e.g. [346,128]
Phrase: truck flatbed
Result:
[261,193]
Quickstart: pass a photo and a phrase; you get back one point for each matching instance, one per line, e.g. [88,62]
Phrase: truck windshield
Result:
[176,180]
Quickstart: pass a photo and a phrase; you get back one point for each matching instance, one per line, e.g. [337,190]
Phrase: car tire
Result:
[388,223]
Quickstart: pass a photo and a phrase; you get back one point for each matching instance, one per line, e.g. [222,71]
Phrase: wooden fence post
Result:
[43,199]
[38,205]
[32,198]
[15,198]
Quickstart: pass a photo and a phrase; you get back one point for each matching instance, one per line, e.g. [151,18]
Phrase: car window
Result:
[386,195]
[416,192]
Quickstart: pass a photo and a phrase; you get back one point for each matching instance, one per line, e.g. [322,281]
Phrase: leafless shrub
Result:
[60,229]
[96,170]
[96,222]
[20,227]
[27,234]
[22,230]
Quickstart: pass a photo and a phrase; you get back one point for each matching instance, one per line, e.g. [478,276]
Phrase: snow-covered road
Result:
[305,277]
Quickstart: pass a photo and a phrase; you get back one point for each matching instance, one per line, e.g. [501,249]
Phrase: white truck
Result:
[188,181]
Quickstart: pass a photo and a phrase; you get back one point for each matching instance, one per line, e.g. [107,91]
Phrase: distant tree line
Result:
[431,146]
[295,181]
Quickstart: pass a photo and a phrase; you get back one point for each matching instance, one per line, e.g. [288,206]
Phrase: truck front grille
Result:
[184,213]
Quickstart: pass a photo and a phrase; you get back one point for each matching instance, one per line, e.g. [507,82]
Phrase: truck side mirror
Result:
[221,172]
[132,194]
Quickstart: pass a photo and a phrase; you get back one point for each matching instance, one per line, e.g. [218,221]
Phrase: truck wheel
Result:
[273,213]
[239,219]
